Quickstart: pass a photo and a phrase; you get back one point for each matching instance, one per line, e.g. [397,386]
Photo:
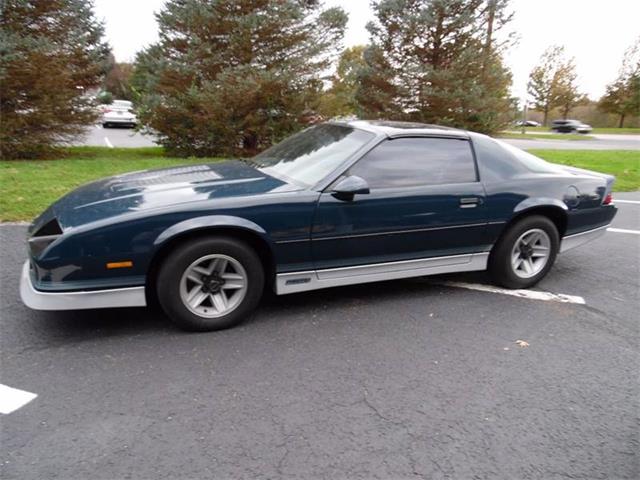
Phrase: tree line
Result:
[230,77]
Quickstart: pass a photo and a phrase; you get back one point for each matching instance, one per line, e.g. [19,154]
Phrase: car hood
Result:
[160,189]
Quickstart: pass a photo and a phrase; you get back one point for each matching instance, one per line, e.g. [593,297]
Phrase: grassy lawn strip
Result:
[27,187]
[545,136]
[624,164]
[617,131]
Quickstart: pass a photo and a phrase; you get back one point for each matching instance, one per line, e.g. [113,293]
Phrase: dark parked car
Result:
[570,126]
[339,203]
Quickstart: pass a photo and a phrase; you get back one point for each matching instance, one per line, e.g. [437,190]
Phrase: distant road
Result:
[124,137]
[115,137]
[599,142]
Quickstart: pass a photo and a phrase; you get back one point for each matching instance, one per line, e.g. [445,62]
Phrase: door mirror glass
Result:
[350,186]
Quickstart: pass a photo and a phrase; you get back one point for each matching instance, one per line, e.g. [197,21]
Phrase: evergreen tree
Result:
[51,56]
[437,61]
[232,76]
[623,94]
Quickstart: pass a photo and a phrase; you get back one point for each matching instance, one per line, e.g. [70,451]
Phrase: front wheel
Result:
[525,253]
[210,283]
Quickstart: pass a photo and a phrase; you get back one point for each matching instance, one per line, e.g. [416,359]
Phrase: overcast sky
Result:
[595,32]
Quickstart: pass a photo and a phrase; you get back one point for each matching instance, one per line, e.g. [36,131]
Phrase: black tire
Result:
[106,125]
[174,266]
[500,265]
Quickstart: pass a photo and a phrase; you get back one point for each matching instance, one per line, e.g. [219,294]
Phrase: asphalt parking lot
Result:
[405,379]
[126,137]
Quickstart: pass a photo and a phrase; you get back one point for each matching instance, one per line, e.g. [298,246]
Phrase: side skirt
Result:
[334,277]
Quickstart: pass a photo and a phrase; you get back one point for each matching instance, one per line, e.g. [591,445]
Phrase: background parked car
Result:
[120,112]
[570,126]
[527,123]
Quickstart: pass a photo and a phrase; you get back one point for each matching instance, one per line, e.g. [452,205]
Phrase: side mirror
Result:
[346,188]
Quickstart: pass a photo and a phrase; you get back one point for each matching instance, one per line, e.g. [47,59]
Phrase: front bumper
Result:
[82,300]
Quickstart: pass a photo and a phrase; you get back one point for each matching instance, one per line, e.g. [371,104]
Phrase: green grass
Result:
[27,187]
[624,164]
[544,136]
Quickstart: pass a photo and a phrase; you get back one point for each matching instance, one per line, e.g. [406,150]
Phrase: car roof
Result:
[402,129]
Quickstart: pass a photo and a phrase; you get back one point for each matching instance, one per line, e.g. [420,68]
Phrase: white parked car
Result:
[120,112]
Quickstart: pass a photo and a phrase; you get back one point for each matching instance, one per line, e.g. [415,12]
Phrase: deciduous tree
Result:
[553,83]
[622,96]
[117,80]
[51,56]
[231,76]
[340,98]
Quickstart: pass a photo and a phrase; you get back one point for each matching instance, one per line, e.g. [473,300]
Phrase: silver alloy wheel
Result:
[213,286]
[530,253]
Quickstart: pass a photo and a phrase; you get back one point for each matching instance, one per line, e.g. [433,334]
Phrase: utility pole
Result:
[524,115]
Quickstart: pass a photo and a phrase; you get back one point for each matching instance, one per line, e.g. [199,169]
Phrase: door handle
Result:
[470,202]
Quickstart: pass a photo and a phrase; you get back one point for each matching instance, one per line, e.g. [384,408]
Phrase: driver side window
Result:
[416,161]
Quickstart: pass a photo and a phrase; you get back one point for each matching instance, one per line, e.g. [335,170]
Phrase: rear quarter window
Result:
[498,160]
[494,163]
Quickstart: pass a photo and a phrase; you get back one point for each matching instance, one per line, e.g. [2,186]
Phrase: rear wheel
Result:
[210,283]
[525,253]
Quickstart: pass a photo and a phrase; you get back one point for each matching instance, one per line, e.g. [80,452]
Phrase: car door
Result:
[425,201]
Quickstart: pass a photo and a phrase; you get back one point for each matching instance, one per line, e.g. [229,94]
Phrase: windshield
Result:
[309,156]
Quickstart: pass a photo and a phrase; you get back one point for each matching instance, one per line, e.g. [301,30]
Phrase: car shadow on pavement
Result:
[90,324]
[79,325]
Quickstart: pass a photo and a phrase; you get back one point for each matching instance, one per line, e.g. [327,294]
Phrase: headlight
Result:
[45,236]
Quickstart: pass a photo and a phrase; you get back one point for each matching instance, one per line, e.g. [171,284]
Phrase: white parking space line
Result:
[529,294]
[623,230]
[106,140]
[11,399]
[635,202]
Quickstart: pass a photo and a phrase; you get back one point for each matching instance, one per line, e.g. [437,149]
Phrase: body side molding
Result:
[333,277]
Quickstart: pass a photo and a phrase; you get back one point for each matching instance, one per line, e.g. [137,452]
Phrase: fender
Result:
[533,202]
[201,223]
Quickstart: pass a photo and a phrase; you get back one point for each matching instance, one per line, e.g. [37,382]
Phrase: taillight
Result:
[608,199]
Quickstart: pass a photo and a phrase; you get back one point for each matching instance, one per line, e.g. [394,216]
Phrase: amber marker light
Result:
[125,264]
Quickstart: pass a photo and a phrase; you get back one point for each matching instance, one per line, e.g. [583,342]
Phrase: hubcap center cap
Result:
[212,283]
[526,251]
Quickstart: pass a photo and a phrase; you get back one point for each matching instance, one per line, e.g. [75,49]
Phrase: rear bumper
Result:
[119,120]
[83,300]
[572,241]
